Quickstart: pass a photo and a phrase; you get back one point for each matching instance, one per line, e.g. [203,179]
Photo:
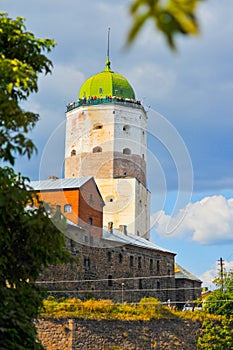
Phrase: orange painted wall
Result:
[62,197]
[86,203]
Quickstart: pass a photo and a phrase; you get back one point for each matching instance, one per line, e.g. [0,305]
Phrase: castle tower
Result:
[106,139]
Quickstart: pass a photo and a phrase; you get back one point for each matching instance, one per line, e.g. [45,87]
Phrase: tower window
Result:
[97,149]
[126,128]
[67,208]
[90,221]
[73,153]
[126,151]
[98,126]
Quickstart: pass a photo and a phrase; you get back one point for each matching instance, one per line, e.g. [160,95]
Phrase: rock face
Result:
[75,334]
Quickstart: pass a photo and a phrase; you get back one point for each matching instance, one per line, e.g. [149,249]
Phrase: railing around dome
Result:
[96,101]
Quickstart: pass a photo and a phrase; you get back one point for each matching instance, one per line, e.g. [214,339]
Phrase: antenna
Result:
[108,43]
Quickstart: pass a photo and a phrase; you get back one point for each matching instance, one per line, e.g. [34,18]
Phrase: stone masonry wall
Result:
[70,334]
[115,272]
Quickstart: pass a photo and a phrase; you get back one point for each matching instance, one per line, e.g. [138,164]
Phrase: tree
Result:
[216,335]
[171,17]
[29,241]
[220,301]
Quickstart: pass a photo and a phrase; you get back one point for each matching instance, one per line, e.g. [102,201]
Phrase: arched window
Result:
[73,152]
[90,221]
[98,126]
[120,258]
[97,149]
[126,128]
[67,208]
[126,151]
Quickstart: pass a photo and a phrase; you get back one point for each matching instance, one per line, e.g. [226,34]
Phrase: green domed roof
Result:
[106,83]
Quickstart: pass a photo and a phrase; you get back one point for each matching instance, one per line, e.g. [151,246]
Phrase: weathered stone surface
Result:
[78,334]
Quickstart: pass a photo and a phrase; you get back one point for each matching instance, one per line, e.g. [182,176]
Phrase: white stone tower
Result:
[106,138]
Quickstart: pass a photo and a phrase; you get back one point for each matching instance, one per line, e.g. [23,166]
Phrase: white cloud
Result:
[209,221]
[208,276]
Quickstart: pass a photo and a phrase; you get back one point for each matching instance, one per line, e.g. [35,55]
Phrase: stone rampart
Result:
[76,334]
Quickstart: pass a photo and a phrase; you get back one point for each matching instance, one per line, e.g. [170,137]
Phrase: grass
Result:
[147,309]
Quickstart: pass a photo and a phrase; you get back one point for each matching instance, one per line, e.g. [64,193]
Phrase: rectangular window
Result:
[131,261]
[151,264]
[110,281]
[139,262]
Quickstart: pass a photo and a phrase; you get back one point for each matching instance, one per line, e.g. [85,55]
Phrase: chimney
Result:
[110,227]
[123,229]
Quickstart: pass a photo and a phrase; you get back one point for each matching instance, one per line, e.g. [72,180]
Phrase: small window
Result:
[86,239]
[97,149]
[90,221]
[139,284]
[131,261]
[91,241]
[151,264]
[87,262]
[158,266]
[126,151]
[98,126]
[109,199]
[143,157]
[125,128]
[100,90]
[158,285]
[73,153]
[67,208]
[109,256]
[110,281]
[91,201]
[120,258]
[139,262]
[58,208]
[137,233]
[169,272]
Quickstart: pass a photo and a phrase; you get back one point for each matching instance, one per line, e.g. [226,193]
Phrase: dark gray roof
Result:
[57,184]
[181,273]
[119,237]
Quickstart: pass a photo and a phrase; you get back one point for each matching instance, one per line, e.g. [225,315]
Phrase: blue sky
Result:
[189,97]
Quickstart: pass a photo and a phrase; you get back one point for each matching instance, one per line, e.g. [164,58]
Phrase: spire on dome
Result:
[108,63]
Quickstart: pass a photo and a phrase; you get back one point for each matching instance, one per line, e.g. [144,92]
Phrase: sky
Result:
[189,99]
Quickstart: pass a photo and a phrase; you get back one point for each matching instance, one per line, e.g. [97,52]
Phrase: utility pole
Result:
[221,263]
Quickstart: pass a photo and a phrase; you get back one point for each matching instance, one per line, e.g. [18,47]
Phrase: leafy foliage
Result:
[171,17]
[216,335]
[28,239]
[21,60]
[220,301]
